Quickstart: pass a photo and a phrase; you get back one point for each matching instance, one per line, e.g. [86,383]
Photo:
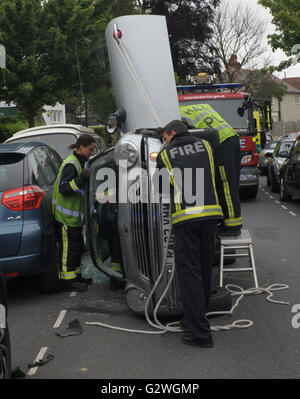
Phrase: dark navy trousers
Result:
[194,246]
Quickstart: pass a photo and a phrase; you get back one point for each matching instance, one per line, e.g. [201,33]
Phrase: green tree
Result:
[189,26]
[44,41]
[24,80]
[286,18]
[262,85]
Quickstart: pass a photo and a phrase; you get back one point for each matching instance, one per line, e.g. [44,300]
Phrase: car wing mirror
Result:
[113,121]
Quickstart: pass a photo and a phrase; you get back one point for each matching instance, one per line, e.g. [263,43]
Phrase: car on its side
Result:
[275,162]
[59,137]
[263,156]
[5,351]
[27,231]
[290,174]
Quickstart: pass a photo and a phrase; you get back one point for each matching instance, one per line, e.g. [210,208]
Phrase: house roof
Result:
[290,89]
[295,82]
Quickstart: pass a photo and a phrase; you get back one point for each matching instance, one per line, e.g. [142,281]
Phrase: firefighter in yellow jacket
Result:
[194,221]
[68,211]
[228,162]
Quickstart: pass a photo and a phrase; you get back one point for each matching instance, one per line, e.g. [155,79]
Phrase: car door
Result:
[292,169]
[42,173]
[296,167]
[101,209]
[11,213]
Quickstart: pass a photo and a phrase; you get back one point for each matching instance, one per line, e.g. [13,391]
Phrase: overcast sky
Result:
[278,56]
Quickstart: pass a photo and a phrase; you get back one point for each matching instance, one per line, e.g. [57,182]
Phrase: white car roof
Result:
[48,129]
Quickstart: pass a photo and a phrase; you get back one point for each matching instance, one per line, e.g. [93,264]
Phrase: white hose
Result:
[174,326]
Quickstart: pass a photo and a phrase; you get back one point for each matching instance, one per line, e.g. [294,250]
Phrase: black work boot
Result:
[74,285]
[85,280]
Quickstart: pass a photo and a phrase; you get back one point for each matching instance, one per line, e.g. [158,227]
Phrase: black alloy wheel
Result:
[284,195]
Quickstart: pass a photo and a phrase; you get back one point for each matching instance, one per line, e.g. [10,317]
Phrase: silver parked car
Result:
[275,161]
[263,156]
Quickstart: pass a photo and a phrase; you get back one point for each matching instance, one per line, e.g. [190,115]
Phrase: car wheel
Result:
[250,193]
[263,171]
[274,185]
[284,195]
[268,179]
[49,281]
[5,354]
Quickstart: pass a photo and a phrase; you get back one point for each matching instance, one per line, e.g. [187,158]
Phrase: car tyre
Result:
[268,179]
[284,195]
[49,281]
[274,184]
[250,193]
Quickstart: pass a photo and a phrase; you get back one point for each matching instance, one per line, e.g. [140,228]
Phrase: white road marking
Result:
[284,207]
[39,357]
[271,197]
[60,319]
[73,294]
[292,213]
[277,202]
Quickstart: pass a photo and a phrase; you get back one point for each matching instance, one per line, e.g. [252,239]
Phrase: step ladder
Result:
[242,241]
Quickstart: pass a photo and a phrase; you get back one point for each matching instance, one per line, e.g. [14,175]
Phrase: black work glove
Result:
[83,178]
[86,173]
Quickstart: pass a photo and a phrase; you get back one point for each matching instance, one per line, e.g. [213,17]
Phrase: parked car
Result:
[290,174]
[289,136]
[58,136]
[263,156]
[27,231]
[269,137]
[275,162]
[5,351]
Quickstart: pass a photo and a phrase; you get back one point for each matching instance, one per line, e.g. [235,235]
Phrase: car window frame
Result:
[56,154]
[293,152]
[33,153]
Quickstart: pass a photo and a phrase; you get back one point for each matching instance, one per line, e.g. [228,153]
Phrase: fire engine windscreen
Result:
[227,109]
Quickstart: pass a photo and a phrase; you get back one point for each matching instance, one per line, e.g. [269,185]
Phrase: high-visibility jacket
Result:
[69,209]
[181,159]
[203,116]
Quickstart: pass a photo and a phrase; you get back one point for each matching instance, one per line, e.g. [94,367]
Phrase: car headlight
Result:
[126,153]
[247,158]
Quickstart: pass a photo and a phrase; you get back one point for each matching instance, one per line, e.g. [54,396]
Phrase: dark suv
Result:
[290,174]
[27,232]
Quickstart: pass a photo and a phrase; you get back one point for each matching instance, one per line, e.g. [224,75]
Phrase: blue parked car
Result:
[27,231]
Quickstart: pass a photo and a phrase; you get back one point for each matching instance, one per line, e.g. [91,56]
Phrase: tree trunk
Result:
[31,119]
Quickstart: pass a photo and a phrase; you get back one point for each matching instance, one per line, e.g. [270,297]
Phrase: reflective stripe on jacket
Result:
[185,153]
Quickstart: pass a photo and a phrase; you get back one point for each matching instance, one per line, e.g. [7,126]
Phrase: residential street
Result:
[268,349]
